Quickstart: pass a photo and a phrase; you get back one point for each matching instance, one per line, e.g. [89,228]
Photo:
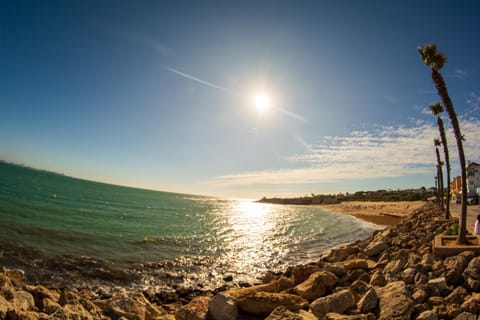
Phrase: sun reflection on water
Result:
[252,226]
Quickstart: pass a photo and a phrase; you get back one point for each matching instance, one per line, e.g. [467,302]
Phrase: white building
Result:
[473,179]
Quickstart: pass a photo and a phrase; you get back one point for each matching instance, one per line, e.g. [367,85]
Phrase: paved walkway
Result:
[472,213]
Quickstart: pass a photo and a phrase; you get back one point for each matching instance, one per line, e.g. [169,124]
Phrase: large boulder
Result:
[466,316]
[368,302]
[316,285]
[282,313]
[438,286]
[23,300]
[455,265]
[263,303]
[375,248]
[457,296]
[223,307]
[197,309]
[133,306]
[337,302]
[337,268]
[5,306]
[353,264]
[427,315]
[301,273]
[473,269]
[72,311]
[49,306]
[378,279]
[338,316]
[40,293]
[471,304]
[394,301]
[275,286]
[394,267]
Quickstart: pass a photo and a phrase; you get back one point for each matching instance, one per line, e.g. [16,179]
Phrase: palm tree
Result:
[437,108]
[435,61]
[437,143]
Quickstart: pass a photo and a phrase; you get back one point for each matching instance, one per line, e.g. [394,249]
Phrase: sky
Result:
[158,94]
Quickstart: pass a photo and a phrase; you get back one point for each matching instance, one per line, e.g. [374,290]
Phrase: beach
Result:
[378,212]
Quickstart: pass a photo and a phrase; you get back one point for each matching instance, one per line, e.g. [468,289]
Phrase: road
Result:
[472,213]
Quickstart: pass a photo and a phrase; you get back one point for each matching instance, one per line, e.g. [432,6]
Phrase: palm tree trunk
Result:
[443,93]
[443,137]
[440,180]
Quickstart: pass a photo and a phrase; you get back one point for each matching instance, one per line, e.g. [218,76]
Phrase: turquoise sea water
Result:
[69,231]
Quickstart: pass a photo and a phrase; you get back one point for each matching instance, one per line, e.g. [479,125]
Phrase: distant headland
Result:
[379,195]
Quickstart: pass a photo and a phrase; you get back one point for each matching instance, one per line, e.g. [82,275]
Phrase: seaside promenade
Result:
[472,213]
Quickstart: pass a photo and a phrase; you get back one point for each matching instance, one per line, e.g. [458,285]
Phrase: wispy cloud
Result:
[461,73]
[380,152]
[150,42]
[427,111]
[188,76]
[474,101]
[391,99]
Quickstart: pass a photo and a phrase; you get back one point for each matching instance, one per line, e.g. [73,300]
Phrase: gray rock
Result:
[223,307]
[394,301]
[368,302]
[337,302]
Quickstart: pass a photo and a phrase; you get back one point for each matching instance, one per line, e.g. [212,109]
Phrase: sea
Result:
[68,232]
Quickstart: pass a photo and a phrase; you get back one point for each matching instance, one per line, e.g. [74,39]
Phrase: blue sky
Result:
[157,94]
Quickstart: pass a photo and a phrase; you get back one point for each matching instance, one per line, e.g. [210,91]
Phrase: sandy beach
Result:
[381,212]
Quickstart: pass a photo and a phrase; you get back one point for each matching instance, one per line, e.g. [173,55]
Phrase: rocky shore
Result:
[391,275]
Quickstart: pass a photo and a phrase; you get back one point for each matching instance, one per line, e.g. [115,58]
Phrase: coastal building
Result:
[473,179]
[456,189]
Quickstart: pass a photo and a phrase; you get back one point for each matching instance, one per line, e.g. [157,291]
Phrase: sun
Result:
[261,102]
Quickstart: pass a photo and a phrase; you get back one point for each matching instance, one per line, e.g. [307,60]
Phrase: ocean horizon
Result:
[66,231]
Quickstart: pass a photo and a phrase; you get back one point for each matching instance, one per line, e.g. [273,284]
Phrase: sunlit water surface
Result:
[68,231]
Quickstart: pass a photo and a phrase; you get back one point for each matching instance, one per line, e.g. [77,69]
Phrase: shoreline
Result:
[390,273]
[378,212]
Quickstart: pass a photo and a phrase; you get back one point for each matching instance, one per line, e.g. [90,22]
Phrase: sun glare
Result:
[262,102]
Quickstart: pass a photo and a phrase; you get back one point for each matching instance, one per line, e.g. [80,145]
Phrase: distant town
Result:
[473,188]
